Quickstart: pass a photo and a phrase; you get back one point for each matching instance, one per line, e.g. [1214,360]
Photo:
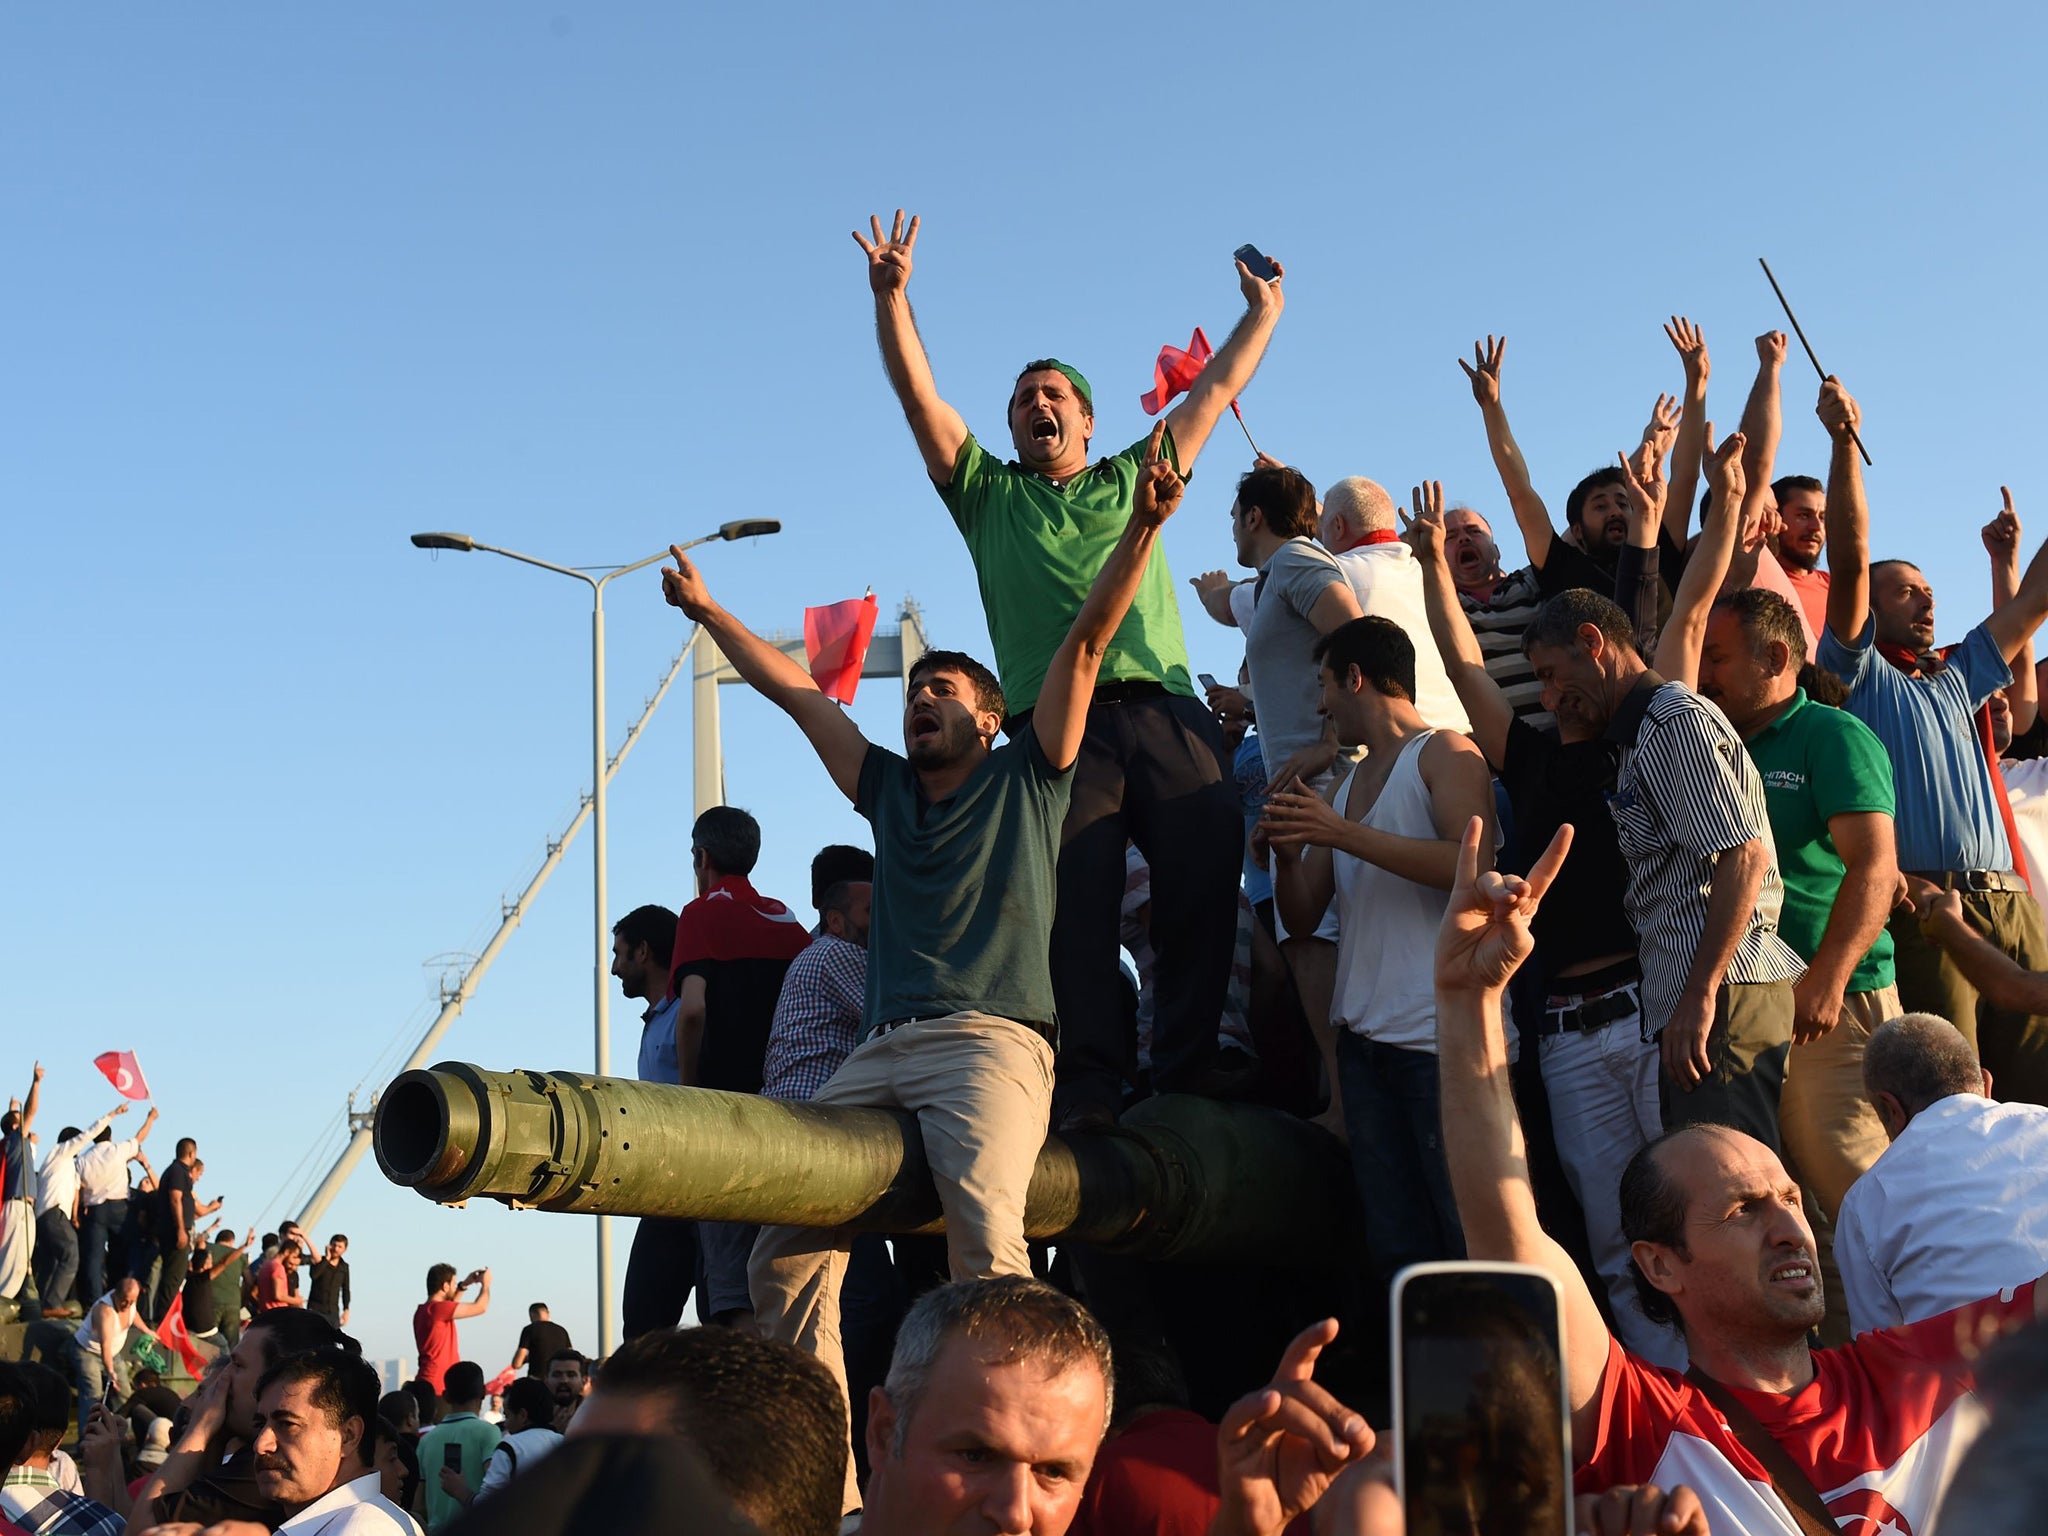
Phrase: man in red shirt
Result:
[433,1320]
[733,947]
[1869,1431]
[271,1281]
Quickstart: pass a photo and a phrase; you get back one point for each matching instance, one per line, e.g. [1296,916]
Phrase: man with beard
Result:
[1802,535]
[959,1025]
[1151,767]
[200,1482]
[568,1379]
[1862,1436]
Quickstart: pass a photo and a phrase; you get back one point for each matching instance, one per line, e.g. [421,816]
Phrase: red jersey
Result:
[433,1329]
[273,1286]
[1879,1429]
[1157,1477]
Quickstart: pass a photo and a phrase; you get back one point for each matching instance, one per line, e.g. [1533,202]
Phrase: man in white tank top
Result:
[1385,843]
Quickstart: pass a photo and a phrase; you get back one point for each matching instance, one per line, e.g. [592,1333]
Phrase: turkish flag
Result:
[173,1332]
[836,643]
[124,1072]
[499,1382]
[1175,372]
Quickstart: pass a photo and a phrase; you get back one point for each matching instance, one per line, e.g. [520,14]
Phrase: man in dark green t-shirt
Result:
[1152,768]
[1828,790]
[959,1010]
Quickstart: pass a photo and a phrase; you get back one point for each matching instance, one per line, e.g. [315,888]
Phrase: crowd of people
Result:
[1659,915]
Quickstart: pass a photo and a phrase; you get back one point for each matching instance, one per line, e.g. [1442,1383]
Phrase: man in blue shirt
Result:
[665,1259]
[1879,641]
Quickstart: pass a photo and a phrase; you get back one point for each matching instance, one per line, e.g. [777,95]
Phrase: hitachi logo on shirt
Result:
[1785,778]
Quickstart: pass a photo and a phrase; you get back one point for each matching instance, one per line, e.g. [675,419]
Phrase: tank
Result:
[1181,1178]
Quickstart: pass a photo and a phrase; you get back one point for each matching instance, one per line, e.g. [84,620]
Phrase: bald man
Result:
[1957,1206]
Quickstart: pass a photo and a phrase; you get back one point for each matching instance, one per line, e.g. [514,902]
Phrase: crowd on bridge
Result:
[1660,914]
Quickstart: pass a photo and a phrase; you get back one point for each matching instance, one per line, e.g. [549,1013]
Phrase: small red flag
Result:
[1175,372]
[172,1331]
[836,644]
[499,1382]
[124,1072]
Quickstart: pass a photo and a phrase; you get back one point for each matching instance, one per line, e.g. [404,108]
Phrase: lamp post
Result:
[746,528]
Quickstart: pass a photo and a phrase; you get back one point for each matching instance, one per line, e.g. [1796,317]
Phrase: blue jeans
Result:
[56,1258]
[1397,1153]
[102,1223]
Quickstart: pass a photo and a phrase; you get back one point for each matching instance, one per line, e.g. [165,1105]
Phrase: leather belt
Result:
[1593,1013]
[1971,879]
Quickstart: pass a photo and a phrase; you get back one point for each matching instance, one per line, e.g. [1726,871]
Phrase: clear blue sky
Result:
[284,286]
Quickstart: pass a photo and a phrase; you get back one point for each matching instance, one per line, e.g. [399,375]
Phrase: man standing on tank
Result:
[1151,769]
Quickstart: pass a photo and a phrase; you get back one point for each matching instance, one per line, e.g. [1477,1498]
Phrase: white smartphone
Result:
[1482,1420]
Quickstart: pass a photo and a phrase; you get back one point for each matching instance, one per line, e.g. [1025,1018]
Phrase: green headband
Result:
[1074,377]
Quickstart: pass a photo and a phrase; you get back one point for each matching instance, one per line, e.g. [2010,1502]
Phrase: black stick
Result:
[1806,344]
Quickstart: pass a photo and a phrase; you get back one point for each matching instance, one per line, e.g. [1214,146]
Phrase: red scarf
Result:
[1378,536]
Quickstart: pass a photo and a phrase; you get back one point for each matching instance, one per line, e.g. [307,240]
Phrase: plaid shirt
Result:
[31,1498]
[817,1018]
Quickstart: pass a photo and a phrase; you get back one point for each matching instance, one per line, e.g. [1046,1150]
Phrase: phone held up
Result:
[1257,262]
[451,1457]
[1482,1421]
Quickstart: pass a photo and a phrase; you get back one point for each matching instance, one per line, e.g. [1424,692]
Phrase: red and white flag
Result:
[124,1072]
[173,1332]
[1175,372]
[836,644]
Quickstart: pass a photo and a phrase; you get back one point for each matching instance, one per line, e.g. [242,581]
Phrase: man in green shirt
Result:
[958,1025]
[1152,767]
[1828,790]
[451,1478]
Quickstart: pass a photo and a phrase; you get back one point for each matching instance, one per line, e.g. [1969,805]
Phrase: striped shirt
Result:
[1685,793]
[817,1018]
[1497,623]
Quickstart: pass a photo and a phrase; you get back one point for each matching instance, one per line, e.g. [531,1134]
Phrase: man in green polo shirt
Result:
[1152,768]
[1828,790]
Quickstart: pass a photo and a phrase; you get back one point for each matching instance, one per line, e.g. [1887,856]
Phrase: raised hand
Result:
[1770,349]
[1158,489]
[1425,530]
[1838,411]
[2001,542]
[682,586]
[1484,370]
[1662,431]
[1691,343]
[1261,292]
[1279,1449]
[1485,935]
[1725,476]
[1642,476]
[888,255]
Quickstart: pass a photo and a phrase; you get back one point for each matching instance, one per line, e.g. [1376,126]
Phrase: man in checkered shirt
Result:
[33,1495]
[818,1015]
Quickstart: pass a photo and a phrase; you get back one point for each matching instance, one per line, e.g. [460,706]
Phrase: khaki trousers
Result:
[1831,1132]
[2013,1046]
[981,1088]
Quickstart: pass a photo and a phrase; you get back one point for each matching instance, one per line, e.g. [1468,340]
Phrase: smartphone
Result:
[451,1457]
[1482,1421]
[1256,262]
[1207,680]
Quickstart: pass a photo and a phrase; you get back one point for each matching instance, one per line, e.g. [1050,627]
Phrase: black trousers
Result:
[1152,772]
[660,1274]
[170,1279]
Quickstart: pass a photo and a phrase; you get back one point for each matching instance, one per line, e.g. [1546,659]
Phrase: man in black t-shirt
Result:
[177,1217]
[328,1293]
[1599,1072]
[539,1341]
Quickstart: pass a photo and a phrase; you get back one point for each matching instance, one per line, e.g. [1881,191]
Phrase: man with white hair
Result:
[1957,1207]
[1357,526]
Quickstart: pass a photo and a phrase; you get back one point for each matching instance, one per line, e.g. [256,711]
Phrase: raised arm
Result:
[1763,417]
[938,428]
[2014,622]
[1484,940]
[1848,516]
[1531,516]
[2002,543]
[1212,591]
[1225,375]
[1638,571]
[1689,448]
[35,1098]
[1464,661]
[482,1304]
[832,733]
[1678,647]
[1061,714]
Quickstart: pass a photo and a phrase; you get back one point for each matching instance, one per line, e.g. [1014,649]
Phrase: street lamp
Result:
[462,543]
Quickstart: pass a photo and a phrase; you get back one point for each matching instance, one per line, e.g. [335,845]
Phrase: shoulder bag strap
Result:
[1786,1475]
